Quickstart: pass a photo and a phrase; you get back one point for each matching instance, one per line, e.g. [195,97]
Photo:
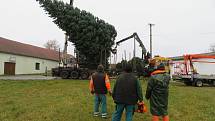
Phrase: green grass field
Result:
[70,100]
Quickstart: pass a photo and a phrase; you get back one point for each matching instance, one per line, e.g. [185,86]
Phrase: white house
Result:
[19,58]
[204,66]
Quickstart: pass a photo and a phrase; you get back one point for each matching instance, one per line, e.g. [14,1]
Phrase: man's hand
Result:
[140,102]
[92,92]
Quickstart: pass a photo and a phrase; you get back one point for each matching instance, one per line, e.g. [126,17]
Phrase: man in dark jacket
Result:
[157,92]
[126,93]
[100,85]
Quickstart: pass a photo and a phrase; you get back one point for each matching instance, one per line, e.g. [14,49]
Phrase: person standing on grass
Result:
[100,85]
[157,92]
[126,93]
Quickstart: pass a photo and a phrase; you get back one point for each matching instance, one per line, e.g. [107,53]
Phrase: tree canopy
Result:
[91,36]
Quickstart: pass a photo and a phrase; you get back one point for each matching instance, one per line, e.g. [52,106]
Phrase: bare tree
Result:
[52,45]
[212,48]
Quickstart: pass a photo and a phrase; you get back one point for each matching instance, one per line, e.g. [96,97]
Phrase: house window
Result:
[37,66]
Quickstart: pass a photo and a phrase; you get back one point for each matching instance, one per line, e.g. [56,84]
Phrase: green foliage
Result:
[121,65]
[88,33]
[138,66]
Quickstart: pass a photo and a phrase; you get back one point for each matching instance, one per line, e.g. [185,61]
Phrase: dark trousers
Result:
[119,110]
[100,99]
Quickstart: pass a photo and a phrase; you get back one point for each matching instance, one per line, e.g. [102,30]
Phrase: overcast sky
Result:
[181,26]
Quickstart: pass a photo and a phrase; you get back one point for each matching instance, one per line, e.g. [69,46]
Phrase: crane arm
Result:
[137,38]
[65,50]
[71,2]
[190,58]
[140,42]
[198,56]
[117,43]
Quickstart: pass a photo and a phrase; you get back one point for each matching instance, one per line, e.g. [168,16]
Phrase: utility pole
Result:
[134,58]
[134,48]
[59,57]
[125,55]
[71,2]
[150,25]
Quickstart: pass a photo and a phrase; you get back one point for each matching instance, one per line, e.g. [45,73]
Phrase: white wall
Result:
[201,67]
[26,65]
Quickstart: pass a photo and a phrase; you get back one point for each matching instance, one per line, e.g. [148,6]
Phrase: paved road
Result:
[27,77]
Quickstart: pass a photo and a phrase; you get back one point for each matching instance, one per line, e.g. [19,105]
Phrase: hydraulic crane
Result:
[146,56]
[191,58]
[137,38]
[191,76]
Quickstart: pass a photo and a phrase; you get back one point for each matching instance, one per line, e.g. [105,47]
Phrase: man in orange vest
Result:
[99,86]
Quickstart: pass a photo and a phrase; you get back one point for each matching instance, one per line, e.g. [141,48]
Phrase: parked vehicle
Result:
[71,72]
[69,67]
[191,75]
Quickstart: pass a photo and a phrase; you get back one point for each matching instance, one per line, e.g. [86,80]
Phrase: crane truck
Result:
[70,67]
[191,76]
[145,54]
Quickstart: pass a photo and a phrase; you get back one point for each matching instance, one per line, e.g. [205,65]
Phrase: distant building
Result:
[203,66]
[19,58]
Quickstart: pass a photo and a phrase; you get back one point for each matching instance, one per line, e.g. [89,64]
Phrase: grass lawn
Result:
[70,100]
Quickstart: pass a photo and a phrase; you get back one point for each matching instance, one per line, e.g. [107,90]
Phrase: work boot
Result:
[155,118]
[166,118]
[104,115]
[96,114]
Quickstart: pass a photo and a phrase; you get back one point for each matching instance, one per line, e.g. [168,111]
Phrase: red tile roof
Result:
[17,48]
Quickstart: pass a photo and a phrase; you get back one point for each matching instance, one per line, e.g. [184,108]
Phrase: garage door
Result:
[9,68]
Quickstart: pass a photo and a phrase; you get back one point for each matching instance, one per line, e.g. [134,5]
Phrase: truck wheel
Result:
[64,74]
[74,75]
[199,83]
[84,75]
